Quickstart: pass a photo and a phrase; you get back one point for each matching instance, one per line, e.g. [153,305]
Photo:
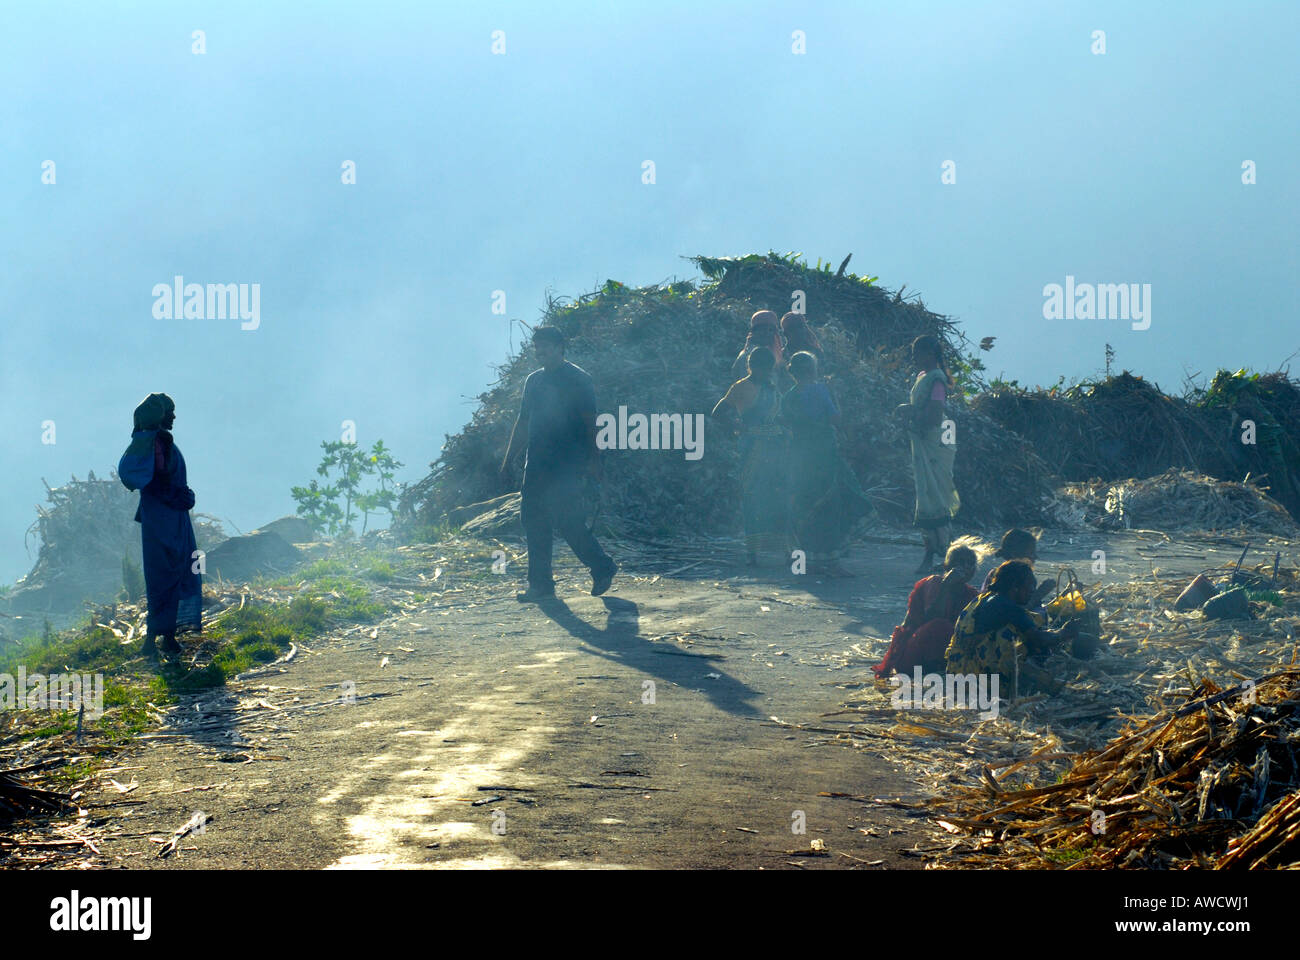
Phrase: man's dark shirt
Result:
[555,402]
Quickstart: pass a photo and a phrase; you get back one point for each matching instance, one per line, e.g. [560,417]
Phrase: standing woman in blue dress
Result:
[153,465]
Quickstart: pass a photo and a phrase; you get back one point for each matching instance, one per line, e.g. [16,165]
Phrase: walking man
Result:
[558,416]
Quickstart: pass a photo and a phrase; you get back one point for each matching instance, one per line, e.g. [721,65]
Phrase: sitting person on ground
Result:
[1018,544]
[932,609]
[996,634]
[825,496]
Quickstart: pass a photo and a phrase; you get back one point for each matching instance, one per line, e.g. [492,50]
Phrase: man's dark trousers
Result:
[552,500]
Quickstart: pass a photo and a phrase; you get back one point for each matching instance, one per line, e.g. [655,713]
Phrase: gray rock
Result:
[1230,605]
[1197,592]
[290,529]
[247,557]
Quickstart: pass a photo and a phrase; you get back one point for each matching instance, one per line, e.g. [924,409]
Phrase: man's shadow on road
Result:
[620,641]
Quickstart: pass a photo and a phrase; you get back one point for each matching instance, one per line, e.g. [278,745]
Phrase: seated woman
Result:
[932,610]
[1018,544]
[996,634]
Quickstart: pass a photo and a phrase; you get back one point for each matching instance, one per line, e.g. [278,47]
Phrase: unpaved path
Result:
[631,730]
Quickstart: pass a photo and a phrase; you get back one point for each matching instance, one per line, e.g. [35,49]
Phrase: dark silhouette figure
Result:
[153,465]
[558,413]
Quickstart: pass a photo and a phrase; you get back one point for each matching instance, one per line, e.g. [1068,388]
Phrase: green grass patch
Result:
[318,569]
[125,708]
[349,599]
[381,571]
[73,773]
[1265,596]
[259,634]
[245,638]
[338,588]
[60,722]
[255,635]
[85,650]
[1066,856]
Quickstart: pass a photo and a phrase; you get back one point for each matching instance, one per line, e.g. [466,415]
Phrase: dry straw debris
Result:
[1212,783]
[1175,746]
[1243,425]
[1174,500]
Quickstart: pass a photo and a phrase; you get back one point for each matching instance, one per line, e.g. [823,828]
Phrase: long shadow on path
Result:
[620,641]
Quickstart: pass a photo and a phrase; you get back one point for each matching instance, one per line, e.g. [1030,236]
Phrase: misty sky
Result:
[522,172]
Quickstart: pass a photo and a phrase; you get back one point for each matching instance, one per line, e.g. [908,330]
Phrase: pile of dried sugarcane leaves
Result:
[1214,782]
[669,348]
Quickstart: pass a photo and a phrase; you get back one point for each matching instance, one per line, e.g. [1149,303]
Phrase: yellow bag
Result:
[1067,605]
[1070,604]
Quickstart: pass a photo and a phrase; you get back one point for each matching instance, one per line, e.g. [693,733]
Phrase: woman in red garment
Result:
[932,610]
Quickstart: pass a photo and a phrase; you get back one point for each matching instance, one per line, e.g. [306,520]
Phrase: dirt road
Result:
[632,730]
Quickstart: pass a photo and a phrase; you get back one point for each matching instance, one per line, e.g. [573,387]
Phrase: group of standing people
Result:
[796,488]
